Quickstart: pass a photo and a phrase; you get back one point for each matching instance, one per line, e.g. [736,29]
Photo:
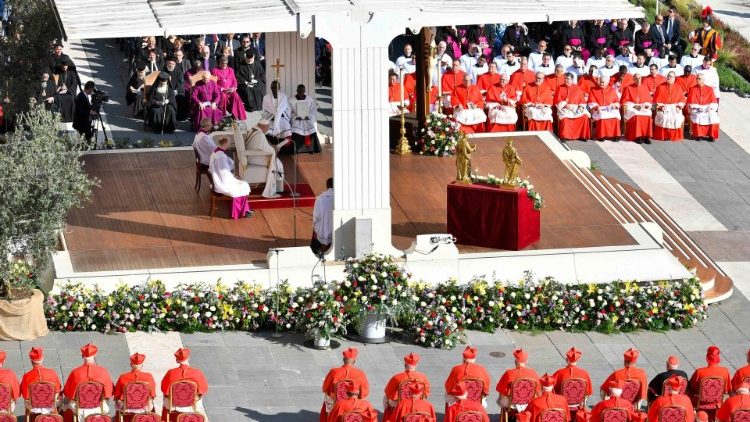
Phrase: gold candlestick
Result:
[403,143]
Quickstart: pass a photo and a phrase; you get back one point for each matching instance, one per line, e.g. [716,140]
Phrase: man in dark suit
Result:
[84,115]
[672,39]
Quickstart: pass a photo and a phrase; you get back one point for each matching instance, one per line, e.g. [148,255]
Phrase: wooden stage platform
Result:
[146,214]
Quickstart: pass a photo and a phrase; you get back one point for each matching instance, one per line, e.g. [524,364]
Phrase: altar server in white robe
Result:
[256,141]
[203,143]
[304,122]
[322,236]
[277,111]
[221,169]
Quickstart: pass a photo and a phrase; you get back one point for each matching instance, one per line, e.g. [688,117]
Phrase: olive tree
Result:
[41,179]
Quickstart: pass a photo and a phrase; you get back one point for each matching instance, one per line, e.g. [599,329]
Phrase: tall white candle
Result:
[401,84]
[439,78]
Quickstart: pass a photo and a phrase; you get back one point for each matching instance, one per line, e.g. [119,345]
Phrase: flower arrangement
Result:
[440,137]
[321,312]
[375,284]
[493,180]
[437,314]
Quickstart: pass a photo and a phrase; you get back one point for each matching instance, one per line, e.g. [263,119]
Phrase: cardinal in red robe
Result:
[548,400]
[555,80]
[687,81]
[415,404]
[134,375]
[654,79]
[537,105]
[463,404]
[393,390]
[501,103]
[505,384]
[489,79]
[89,371]
[468,107]
[670,104]
[452,78]
[713,369]
[621,79]
[589,81]
[394,94]
[629,372]
[673,398]
[742,374]
[38,373]
[741,400]
[637,109]
[522,77]
[605,109]
[9,378]
[614,388]
[572,371]
[410,89]
[469,369]
[572,114]
[704,111]
[345,372]
[352,404]
[184,372]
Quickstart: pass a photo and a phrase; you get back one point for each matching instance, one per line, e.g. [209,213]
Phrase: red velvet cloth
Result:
[492,217]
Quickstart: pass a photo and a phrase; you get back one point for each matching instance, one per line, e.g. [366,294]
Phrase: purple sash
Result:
[647,44]
[601,40]
[624,42]
[575,42]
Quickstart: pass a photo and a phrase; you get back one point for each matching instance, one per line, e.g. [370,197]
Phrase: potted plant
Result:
[375,291]
[41,181]
[321,314]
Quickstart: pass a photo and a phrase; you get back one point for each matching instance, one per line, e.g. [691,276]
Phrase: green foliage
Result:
[730,79]
[25,54]
[41,180]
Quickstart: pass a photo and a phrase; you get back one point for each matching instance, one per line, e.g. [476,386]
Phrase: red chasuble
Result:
[544,402]
[604,127]
[702,96]
[668,94]
[640,123]
[572,127]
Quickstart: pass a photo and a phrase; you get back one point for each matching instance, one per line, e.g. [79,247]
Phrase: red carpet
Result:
[305,200]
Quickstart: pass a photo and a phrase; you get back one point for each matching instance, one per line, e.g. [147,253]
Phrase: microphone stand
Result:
[277,334]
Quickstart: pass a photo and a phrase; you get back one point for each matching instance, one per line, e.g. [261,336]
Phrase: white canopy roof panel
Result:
[86,19]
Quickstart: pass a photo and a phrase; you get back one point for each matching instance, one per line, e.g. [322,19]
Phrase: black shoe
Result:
[646,140]
[709,139]
[638,141]
[615,139]
[249,214]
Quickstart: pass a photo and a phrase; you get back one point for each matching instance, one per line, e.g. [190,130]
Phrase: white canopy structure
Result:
[359,32]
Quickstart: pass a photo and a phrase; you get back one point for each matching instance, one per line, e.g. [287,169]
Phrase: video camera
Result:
[97,99]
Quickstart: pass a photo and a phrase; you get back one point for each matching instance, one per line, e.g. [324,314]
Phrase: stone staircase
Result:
[630,205]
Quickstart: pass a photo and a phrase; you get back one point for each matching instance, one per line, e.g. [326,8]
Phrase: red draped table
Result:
[492,216]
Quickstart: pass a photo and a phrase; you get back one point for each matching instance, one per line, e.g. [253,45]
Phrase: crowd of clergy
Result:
[88,389]
[710,394]
[602,80]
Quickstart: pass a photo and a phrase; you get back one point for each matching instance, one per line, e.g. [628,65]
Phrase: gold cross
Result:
[278,67]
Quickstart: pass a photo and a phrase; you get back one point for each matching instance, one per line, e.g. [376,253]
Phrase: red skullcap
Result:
[673,360]
[89,350]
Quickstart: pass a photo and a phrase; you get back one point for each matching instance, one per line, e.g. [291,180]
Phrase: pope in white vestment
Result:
[276,109]
[256,141]
[221,169]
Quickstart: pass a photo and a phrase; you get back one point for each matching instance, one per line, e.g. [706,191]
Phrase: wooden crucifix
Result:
[277,67]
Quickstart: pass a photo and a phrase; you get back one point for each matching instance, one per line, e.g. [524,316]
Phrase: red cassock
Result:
[607,125]
[730,405]
[505,96]
[468,370]
[554,81]
[351,405]
[640,123]
[344,372]
[740,376]
[451,79]
[570,372]
[463,95]
[503,386]
[631,373]
[545,402]
[703,96]
[461,406]
[537,95]
[708,371]
[620,81]
[132,376]
[394,93]
[10,379]
[488,80]
[587,83]
[392,390]
[572,124]
[183,373]
[671,400]
[408,406]
[39,373]
[410,89]
[668,94]
[86,372]
[687,81]
[614,402]
[653,82]
[521,78]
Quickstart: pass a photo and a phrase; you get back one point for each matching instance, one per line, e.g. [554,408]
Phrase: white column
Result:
[298,57]
[361,168]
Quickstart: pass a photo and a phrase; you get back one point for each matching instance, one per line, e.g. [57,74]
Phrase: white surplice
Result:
[304,108]
[277,110]
[256,141]
[221,167]
[204,144]
[323,217]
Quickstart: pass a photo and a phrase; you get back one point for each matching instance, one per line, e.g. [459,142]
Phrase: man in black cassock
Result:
[66,89]
[45,93]
[161,103]
[177,82]
[251,82]
[656,385]
[84,115]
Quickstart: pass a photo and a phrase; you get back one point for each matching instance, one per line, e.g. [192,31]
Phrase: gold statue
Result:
[463,160]
[512,164]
